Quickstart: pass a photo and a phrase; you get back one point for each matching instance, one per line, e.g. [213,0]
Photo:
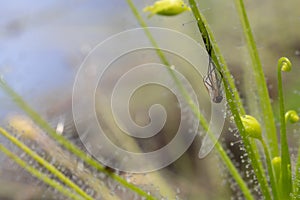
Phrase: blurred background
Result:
[43,43]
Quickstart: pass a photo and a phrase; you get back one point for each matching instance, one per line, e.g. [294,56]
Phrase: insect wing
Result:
[212,82]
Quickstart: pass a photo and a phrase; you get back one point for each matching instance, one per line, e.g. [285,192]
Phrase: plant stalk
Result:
[194,108]
[67,144]
[265,103]
[232,98]
[270,170]
[46,164]
[286,178]
[40,175]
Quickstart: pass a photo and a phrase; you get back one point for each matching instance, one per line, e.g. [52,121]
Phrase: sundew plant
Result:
[257,156]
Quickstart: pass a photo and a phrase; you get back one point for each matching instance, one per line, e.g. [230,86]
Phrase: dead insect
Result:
[212,82]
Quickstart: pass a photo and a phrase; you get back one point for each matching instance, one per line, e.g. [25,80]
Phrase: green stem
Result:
[232,98]
[252,152]
[211,45]
[45,164]
[265,104]
[165,61]
[270,170]
[285,154]
[67,144]
[43,177]
[297,177]
[194,108]
[232,169]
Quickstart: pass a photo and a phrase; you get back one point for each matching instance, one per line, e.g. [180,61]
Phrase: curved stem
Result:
[285,154]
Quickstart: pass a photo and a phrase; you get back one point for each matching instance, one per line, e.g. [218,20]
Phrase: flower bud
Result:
[291,116]
[167,8]
[252,127]
[276,163]
[285,64]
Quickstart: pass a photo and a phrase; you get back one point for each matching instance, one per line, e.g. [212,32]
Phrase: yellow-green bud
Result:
[285,64]
[276,163]
[291,116]
[167,8]
[252,127]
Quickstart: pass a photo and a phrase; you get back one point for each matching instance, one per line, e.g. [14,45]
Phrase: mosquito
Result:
[212,82]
